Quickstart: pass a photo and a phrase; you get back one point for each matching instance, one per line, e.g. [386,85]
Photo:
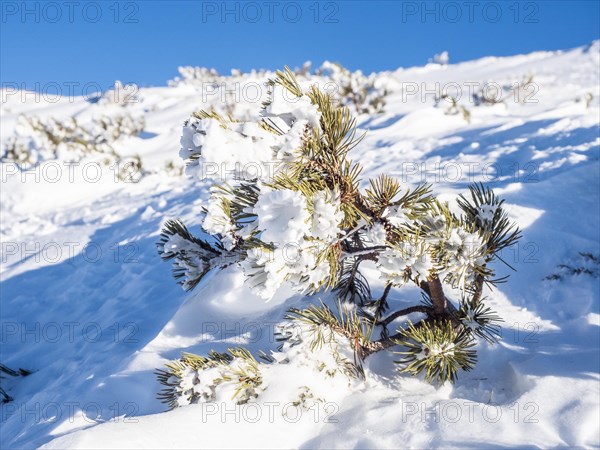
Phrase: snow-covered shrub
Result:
[363,94]
[489,95]
[130,169]
[232,95]
[587,99]
[194,75]
[523,92]
[306,224]
[172,169]
[37,140]
[492,93]
[440,58]
[452,107]
[121,94]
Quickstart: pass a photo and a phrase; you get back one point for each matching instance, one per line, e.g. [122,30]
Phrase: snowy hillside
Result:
[90,309]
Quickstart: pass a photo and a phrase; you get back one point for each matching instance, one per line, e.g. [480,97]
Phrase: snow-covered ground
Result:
[89,308]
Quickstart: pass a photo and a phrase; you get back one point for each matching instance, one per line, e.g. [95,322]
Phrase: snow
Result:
[281,216]
[90,308]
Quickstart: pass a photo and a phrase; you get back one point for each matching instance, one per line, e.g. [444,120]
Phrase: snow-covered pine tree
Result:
[308,199]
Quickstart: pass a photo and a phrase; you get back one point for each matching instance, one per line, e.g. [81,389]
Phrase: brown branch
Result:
[404,312]
[383,343]
[366,253]
[365,250]
[442,308]
[363,351]
[387,342]
[479,280]
[438,299]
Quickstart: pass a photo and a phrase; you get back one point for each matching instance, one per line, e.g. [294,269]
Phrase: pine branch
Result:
[437,349]
[351,284]
[405,312]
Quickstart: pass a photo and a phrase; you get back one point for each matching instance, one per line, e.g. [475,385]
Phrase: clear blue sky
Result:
[144,41]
